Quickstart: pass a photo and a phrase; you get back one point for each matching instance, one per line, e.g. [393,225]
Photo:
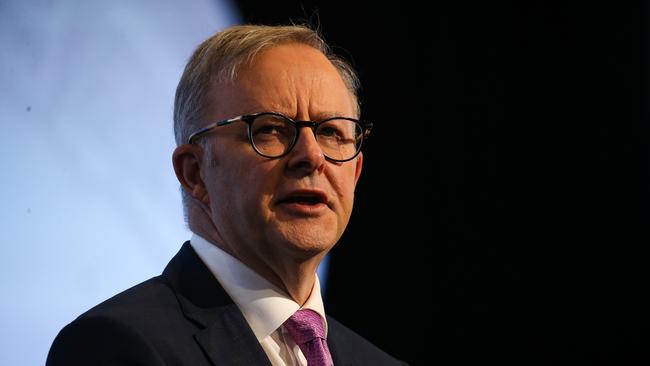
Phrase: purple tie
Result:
[306,328]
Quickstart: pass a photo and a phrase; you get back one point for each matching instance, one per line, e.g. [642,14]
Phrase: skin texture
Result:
[237,194]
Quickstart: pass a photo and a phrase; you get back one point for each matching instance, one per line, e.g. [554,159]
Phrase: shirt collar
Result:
[265,306]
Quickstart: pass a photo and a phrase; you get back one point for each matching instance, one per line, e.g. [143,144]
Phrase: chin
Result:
[307,242]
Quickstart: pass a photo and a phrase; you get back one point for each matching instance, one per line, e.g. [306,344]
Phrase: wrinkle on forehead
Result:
[295,80]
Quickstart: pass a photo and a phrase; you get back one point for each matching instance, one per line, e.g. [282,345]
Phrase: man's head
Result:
[219,57]
[268,212]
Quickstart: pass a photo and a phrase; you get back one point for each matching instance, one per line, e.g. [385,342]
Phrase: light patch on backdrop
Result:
[90,204]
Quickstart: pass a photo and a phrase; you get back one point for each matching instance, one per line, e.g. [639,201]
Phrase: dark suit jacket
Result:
[183,317]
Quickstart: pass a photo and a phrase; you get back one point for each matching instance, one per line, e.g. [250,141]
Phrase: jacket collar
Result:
[337,342]
[223,332]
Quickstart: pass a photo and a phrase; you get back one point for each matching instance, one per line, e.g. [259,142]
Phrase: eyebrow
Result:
[319,116]
[328,114]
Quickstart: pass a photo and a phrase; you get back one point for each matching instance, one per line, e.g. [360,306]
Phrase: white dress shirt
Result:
[265,306]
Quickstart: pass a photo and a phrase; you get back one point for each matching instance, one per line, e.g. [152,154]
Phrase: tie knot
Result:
[305,325]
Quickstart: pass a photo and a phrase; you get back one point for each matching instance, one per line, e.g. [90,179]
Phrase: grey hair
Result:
[218,59]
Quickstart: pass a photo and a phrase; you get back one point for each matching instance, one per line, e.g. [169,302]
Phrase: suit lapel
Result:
[223,333]
[336,342]
[230,341]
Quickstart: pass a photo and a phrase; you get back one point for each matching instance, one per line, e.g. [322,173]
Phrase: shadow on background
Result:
[503,205]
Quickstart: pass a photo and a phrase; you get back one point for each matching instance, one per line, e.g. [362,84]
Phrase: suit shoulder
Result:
[147,297]
[344,340]
[98,340]
[151,308]
[138,321]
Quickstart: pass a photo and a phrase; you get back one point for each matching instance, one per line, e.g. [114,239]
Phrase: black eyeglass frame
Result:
[366,127]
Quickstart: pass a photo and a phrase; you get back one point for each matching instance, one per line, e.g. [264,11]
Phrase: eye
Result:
[267,129]
[329,131]
[338,130]
[270,126]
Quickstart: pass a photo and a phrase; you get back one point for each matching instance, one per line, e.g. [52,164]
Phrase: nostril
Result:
[305,165]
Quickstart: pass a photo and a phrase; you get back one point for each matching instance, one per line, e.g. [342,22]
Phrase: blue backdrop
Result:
[90,204]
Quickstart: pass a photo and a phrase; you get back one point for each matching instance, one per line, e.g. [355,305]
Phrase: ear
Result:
[357,172]
[187,166]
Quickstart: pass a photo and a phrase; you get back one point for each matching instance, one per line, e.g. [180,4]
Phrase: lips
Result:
[306,197]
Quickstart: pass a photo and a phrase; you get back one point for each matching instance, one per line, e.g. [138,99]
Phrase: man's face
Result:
[258,204]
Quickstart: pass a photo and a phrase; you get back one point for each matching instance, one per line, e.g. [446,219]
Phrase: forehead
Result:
[293,79]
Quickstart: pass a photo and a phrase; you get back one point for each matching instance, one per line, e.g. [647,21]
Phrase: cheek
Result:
[241,187]
[343,183]
[256,187]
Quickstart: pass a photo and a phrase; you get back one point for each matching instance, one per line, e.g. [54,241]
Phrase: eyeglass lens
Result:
[274,135]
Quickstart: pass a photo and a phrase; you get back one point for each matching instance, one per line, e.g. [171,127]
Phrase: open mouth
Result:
[307,198]
[303,200]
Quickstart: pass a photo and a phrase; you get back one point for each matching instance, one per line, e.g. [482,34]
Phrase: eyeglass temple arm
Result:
[211,126]
[368,126]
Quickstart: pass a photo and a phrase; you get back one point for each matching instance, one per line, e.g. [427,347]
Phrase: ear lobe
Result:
[201,194]
[187,166]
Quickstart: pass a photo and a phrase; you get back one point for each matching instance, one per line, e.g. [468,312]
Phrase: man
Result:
[267,193]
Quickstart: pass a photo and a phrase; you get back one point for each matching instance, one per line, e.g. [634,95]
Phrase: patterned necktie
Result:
[306,328]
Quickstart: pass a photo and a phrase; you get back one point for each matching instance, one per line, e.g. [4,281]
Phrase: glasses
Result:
[273,135]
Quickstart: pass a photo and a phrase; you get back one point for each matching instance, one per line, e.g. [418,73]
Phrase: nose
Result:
[306,156]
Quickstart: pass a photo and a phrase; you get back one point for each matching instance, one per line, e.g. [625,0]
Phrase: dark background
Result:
[501,215]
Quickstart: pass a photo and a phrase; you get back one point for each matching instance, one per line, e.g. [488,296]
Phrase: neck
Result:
[295,276]
[296,279]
